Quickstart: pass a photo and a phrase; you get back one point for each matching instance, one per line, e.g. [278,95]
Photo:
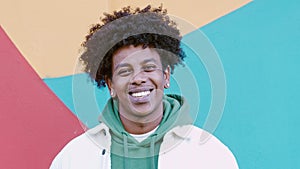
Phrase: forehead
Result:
[134,55]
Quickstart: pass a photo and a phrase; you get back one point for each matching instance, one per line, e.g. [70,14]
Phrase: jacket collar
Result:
[101,136]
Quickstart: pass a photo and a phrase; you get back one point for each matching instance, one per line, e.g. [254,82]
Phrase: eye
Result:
[124,72]
[150,68]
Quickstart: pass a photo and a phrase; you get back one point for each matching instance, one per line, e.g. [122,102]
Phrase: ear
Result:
[110,87]
[167,74]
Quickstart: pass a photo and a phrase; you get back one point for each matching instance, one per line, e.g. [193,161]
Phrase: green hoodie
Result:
[126,152]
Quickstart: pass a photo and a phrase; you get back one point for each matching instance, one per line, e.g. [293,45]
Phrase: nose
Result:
[139,78]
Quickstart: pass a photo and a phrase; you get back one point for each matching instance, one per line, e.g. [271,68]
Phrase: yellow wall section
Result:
[49,33]
[193,12]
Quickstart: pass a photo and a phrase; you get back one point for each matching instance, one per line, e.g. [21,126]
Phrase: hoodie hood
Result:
[176,113]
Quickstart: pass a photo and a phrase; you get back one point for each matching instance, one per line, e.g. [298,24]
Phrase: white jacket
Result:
[182,148]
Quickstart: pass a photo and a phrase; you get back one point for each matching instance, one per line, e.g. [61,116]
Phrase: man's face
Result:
[138,83]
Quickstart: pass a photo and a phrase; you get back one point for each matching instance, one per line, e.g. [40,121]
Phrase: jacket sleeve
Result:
[194,148]
[219,153]
[230,161]
[57,162]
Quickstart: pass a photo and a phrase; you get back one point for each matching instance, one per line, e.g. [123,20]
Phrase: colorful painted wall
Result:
[43,94]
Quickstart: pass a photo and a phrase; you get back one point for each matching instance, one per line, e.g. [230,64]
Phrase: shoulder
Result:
[197,146]
[82,148]
[213,147]
[92,138]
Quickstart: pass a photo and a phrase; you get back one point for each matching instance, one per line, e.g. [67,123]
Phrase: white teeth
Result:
[141,94]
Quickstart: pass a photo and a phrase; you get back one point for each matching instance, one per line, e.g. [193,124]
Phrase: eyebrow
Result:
[128,65]
[149,60]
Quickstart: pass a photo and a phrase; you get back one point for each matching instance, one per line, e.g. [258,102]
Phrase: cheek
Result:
[120,84]
[159,80]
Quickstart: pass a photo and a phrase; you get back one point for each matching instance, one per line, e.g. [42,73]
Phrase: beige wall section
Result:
[188,12]
[49,33]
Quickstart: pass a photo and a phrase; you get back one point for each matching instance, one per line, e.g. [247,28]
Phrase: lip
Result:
[141,99]
[139,89]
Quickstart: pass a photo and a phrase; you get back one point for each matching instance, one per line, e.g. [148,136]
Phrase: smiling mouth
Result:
[140,94]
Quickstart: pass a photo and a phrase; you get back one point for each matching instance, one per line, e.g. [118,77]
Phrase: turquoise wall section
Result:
[259,49]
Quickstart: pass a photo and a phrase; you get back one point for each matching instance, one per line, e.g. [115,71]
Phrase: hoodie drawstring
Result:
[152,150]
[125,145]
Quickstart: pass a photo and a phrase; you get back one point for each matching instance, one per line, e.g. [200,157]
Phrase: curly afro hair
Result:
[149,27]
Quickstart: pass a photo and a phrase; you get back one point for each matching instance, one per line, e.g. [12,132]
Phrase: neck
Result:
[135,127]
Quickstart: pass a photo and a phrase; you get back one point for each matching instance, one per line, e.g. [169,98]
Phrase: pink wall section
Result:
[34,123]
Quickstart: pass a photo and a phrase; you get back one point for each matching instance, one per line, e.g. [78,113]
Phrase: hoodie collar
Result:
[176,113]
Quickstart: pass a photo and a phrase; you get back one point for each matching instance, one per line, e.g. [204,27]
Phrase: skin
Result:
[138,84]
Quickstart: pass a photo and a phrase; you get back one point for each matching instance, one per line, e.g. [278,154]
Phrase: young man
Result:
[133,53]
